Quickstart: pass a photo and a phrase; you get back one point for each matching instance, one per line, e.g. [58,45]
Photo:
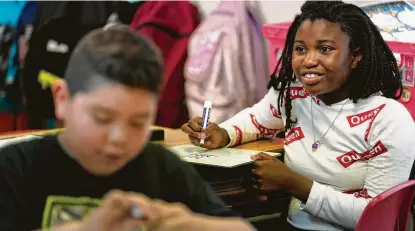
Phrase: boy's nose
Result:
[118,135]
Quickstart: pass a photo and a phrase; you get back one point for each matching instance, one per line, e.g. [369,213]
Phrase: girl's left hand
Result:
[270,173]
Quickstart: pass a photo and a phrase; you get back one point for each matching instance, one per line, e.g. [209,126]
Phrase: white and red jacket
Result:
[369,149]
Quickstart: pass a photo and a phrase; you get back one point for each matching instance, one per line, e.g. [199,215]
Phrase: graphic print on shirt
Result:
[351,157]
[63,209]
[264,131]
[293,135]
[316,100]
[362,194]
[298,93]
[274,111]
[359,193]
[358,119]
[238,135]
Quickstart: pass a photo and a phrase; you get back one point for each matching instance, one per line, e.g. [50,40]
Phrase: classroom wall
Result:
[272,11]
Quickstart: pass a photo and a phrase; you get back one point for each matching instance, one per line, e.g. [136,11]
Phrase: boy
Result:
[108,104]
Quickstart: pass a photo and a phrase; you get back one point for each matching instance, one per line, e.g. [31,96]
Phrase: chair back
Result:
[388,211]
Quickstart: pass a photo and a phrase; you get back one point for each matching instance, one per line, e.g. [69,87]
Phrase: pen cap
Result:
[208,104]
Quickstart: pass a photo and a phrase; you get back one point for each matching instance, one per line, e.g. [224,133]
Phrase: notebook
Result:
[224,157]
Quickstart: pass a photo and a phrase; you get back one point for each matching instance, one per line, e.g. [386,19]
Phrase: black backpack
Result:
[50,49]
[58,28]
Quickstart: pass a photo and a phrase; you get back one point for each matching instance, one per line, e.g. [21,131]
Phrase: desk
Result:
[11,134]
[174,137]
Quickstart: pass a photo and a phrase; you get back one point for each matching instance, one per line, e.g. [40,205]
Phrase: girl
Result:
[346,137]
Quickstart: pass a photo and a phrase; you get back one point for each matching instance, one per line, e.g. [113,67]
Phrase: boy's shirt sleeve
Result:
[9,191]
[259,121]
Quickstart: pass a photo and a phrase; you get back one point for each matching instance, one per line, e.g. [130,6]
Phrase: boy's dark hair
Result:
[376,72]
[116,54]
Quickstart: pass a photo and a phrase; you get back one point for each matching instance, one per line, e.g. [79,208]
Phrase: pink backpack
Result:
[226,62]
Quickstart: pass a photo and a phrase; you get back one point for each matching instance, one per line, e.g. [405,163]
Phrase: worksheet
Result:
[224,157]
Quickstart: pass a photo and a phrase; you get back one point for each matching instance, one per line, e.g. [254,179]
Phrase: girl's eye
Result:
[299,49]
[326,49]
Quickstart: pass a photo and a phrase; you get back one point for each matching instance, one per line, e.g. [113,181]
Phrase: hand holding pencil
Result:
[213,135]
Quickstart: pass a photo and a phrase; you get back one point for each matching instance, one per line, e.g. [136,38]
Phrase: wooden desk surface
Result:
[172,137]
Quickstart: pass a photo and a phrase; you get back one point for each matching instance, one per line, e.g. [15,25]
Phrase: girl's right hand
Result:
[215,136]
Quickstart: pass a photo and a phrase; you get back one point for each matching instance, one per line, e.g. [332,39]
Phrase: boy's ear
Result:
[61,97]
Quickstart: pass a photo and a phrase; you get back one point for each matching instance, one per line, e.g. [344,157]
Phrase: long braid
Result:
[377,72]
[286,76]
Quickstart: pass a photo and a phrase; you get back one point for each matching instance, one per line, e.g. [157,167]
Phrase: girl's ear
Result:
[356,57]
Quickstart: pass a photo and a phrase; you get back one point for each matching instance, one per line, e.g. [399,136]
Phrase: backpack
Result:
[169,25]
[227,62]
[57,29]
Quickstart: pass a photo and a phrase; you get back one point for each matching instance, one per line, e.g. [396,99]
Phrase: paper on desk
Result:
[224,157]
[7,141]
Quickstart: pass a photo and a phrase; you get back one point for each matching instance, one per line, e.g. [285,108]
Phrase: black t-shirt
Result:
[41,186]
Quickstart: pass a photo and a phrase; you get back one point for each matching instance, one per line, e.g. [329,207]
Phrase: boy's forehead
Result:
[96,82]
[116,96]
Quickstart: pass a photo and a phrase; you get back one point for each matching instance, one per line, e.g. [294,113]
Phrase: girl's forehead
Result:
[321,30]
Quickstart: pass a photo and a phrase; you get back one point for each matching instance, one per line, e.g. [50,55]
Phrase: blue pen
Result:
[207,108]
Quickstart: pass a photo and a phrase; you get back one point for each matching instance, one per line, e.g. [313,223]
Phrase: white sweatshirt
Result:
[369,149]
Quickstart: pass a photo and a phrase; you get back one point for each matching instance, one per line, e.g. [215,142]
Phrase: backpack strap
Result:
[163,28]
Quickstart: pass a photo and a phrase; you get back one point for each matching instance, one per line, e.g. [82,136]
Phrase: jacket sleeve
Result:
[389,161]
[259,121]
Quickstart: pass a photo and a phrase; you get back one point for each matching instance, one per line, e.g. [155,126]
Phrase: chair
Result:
[388,211]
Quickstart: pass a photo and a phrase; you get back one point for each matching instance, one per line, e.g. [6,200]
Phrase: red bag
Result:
[169,25]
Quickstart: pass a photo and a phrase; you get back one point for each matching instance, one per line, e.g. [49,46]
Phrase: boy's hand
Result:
[172,217]
[115,213]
